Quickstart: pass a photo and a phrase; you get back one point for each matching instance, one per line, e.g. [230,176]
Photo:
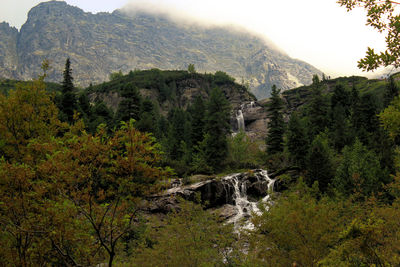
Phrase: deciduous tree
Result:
[384,17]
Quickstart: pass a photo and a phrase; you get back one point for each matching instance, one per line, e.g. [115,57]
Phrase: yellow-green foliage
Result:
[390,118]
[188,237]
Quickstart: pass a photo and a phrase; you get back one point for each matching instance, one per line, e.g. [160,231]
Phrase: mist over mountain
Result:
[101,43]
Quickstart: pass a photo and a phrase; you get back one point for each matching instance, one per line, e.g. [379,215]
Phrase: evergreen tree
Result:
[68,98]
[359,171]
[365,120]
[84,104]
[197,111]
[297,140]
[276,124]
[85,108]
[101,114]
[390,92]
[147,117]
[129,107]
[217,128]
[176,133]
[340,97]
[319,163]
[340,128]
[318,110]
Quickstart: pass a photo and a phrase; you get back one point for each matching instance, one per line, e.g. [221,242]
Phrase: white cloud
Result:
[319,32]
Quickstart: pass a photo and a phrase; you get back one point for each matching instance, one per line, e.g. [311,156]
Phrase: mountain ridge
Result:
[101,43]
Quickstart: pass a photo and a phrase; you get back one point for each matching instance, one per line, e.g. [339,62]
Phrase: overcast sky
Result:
[319,32]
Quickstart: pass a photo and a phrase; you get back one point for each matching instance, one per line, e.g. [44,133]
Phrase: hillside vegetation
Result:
[75,180]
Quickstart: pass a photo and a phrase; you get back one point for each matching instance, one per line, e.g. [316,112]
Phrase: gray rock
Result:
[101,43]
[213,193]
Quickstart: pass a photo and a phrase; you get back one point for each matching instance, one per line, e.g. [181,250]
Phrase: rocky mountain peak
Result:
[101,43]
[53,9]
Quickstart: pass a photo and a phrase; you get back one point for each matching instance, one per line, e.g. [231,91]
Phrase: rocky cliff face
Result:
[8,50]
[234,196]
[99,44]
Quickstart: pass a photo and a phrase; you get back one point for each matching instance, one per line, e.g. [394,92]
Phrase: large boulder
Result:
[213,193]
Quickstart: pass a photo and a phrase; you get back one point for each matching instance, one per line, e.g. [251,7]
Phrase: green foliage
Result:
[197,112]
[217,127]
[341,133]
[304,228]
[296,228]
[27,113]
[188,237]
[148,117]
[370,239]
[129,107]
[72,197]
[390,118]
[297,141]
[221,77]
[191,69]
[276,125]
[116,75]
[100,114]
[359,171]
[242,152]
[318,110]
[382,16]
[200,157]
[391,92]
[320,166]
[68,103]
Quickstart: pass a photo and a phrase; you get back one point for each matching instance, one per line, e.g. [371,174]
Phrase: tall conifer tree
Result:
[197,112]
[297,140]
[129,107]
[216,128]
[68,99]
[276,125]
[319,163]
[391,91]
[318,110]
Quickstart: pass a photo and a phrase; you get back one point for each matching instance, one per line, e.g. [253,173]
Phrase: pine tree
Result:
[68,98]
[147,117]
[340,128]
[359,171]
[217,128]
[390,92]
[176,133]
[319,163]
[318,110]
[297,140]
[364,118]
[101,114]
[340,97]
[197,112]
[129,107]
[84,104]
[276,126]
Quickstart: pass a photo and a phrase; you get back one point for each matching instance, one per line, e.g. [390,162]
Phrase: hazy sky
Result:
[319,32]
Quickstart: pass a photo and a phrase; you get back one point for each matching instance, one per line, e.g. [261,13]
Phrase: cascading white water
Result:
[245,207]
[240,120]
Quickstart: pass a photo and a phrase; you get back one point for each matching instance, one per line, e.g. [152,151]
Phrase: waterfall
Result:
[240,120]
[245,208]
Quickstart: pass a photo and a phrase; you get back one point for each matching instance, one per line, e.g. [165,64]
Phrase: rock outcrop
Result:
[8,50]
[213,193]
[101,43]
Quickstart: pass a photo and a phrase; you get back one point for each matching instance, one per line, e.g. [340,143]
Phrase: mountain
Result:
[101,43]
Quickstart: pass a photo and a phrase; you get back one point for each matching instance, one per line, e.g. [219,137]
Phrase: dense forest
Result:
[75,173]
